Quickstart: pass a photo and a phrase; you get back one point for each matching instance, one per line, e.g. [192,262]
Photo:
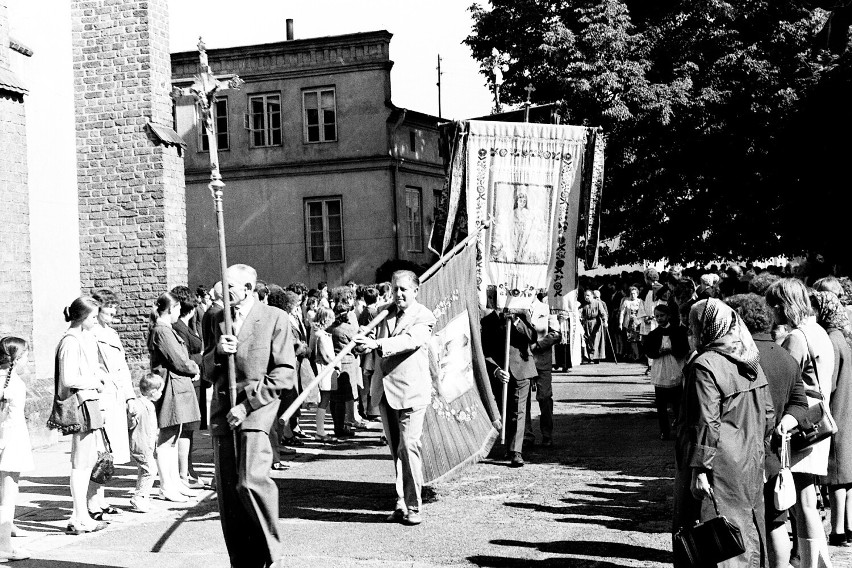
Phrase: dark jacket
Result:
[170,360]
[521,337]
[785,386]
[677,336]
[190,338]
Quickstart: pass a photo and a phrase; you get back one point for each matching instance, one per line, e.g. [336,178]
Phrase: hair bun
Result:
[67,313]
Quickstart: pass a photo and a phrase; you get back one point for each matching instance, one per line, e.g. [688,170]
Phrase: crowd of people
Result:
[741,356]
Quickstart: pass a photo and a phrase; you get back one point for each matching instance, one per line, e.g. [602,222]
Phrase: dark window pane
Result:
[312,116]
[334,207]
[329,132]
[222,139]
[276,137]
[313,134]
[315,209]
[317,254]
[258,138]
[335,253]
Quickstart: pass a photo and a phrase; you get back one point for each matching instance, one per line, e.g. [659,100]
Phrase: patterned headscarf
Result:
[831,314]
[722,330]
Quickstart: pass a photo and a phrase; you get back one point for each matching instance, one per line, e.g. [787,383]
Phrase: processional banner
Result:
[459,428]
[528,179]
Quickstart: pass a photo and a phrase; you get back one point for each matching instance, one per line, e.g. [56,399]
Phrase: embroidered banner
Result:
[527,179]
[459,428]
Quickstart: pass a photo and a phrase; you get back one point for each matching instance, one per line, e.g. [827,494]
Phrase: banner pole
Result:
[453,251]
[505,397]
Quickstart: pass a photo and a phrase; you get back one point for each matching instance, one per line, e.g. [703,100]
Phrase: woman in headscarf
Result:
[725,416]
[811,347]
[831,315]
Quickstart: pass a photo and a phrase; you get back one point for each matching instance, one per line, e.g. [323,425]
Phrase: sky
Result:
[421,30]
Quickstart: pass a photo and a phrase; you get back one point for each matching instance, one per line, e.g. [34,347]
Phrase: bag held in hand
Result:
[65,415]
[818,424]
[104,467]
[712,541]
[784,489]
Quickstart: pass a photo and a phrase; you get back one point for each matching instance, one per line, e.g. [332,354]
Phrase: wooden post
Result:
[505,397]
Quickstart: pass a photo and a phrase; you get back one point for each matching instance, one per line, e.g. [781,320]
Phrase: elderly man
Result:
[403,384]
[261,342]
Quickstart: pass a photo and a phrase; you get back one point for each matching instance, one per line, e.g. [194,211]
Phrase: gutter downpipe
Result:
[395,181]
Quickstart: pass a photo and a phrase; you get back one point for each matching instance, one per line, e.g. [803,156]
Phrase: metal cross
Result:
[530,90]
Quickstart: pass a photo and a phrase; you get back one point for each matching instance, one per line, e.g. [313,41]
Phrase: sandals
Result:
[174,498]
[78,528]
[280,466]
[326,439]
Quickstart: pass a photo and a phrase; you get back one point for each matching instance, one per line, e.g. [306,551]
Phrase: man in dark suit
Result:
[262,345]
[403,384]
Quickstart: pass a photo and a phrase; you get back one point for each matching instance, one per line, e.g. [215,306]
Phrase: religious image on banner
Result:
[522,215]
[453,348]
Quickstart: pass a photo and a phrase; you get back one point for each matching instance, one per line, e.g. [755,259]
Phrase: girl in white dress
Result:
[16,453]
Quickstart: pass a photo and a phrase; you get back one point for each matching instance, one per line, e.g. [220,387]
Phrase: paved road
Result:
[601,497]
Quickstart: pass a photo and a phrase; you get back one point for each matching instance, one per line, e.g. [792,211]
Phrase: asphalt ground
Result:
[600,497]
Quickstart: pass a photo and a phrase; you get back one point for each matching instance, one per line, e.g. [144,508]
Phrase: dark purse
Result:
[712,541]
[104,467]
[818,424]
[65,415]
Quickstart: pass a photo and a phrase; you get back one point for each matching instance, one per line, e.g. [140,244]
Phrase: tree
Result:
[698,99]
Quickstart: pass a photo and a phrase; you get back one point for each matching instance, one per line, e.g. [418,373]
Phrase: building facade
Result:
[326,179]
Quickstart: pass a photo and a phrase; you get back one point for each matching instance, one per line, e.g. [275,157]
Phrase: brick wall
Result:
[16,308]
[131,188]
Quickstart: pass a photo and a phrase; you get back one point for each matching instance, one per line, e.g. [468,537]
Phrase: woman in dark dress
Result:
[832,316]
[178,407]
[725,417]
[342,332]
[187,330]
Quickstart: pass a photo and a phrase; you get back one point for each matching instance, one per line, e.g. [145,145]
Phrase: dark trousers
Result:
[662,398]
[248,499]
[516,409]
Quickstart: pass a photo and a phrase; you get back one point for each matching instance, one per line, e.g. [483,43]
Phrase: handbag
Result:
[784,489]
[818,423]
[712,541]
[65,414]
[104,467]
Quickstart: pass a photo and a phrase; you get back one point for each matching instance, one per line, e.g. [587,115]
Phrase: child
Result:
[321,352]
[15,451]
[143,440]
[668,346]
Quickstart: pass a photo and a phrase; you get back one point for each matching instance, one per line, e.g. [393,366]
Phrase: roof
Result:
[10,82]
[399,114]
[166,135]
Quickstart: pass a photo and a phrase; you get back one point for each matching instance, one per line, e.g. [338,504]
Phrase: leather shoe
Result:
[412,518]
[396,517]
[517,460]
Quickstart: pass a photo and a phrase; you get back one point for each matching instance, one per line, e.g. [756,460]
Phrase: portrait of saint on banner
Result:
[522,215]
[452,347]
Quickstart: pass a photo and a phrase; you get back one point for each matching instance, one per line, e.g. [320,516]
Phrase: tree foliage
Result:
[721,116]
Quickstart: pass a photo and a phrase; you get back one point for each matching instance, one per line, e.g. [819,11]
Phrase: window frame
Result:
[410,245]
[321,125]
[267,129]
[202,129]
[324,200]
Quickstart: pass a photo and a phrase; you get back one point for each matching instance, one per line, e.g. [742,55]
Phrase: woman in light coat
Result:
[78,373]
[117,398]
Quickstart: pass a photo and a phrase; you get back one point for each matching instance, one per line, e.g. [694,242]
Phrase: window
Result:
[320,115]
[436,204]
[414,218]
[324,229]
[412,141]
[220,119]
[265,120]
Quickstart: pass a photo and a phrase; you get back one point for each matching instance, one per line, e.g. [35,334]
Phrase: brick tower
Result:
[130,177]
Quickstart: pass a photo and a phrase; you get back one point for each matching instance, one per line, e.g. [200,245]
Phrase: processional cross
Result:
[204,90]
[530,90]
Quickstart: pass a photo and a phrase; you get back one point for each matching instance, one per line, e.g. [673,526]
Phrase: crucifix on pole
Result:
[204,90]
[530,90]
